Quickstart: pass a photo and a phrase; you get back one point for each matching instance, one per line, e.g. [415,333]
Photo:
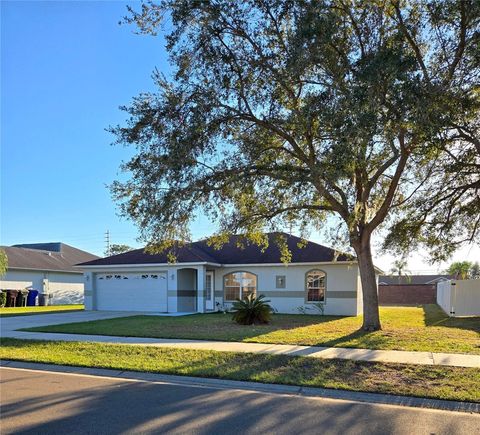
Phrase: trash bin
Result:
[22,298]
[43,299]
[32,298]
[11,298]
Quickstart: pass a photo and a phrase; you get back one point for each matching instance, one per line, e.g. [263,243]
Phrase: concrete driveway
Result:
[60,403]
[9,325]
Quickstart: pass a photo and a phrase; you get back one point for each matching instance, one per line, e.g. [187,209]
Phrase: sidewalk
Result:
[386,356]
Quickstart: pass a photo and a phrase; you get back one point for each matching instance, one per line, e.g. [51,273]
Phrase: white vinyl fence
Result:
[459,297]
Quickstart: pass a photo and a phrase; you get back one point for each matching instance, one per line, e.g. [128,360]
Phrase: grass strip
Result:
[424,328]
[450,383]
[32,311]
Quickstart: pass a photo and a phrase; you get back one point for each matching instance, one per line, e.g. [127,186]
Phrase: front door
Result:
[209,291]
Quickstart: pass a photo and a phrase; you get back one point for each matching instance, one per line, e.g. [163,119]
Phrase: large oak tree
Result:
[282,112]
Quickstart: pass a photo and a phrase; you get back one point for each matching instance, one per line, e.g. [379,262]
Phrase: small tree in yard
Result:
[284,113]
[3,263]
[3,271]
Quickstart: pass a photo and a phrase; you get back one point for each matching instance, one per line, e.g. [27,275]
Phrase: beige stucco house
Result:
[205,279]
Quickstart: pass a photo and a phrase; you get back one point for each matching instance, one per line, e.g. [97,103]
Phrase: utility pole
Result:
[107,243]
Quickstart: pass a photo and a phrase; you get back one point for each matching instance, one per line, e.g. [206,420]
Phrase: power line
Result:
[107,243]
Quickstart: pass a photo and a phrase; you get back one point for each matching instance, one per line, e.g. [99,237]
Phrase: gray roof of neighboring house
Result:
[46,256]
[412,279]
[229,253]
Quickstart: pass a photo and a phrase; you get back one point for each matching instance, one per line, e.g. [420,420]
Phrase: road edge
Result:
[309,392]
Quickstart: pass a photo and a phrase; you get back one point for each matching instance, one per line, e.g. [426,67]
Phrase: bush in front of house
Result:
[252,310]
[3,299]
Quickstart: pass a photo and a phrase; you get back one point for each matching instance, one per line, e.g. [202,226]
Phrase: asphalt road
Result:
[37,402]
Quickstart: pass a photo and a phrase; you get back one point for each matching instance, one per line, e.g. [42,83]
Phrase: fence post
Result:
[453,300]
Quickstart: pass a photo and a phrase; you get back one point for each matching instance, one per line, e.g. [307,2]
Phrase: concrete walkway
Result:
[10,325]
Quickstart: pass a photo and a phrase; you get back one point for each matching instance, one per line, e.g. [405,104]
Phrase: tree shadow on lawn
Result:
[359,339]
[229,330]
[434,316]
[215,327]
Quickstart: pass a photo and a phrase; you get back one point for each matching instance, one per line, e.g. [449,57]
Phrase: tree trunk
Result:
[371,316]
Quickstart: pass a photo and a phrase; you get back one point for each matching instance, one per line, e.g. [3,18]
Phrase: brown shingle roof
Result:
[46,256]
[229,253]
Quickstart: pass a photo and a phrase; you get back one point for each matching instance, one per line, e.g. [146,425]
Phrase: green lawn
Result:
[29,311]
[424,328]
[453,383]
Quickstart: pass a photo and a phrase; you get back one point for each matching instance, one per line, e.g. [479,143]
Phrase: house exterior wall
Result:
[360,292]
[185,287]
[65,288]
[341,294]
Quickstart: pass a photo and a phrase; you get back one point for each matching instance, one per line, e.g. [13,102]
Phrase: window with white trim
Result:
[316,286]
[238,285]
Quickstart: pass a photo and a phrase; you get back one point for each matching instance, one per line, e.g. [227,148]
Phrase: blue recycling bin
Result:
[32,298]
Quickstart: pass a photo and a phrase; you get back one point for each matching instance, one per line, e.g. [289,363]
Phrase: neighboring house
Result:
[205,279]
[409,289]
[48,268]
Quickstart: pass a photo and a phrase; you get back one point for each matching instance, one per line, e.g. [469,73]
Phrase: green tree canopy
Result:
[116,249]
[399,267]
[443,211]
[282,113]
[475,271]
[460,269]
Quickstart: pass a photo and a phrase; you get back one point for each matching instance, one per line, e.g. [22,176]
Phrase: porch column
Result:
[172,290]
[88,290]
[200,289]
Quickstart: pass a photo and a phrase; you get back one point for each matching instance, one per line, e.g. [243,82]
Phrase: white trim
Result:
[210,274]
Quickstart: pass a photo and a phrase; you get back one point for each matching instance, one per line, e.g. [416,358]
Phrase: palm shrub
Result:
[252,310]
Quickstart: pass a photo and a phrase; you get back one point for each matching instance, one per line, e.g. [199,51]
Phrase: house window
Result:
[238,285]
[316,286]
[280,281]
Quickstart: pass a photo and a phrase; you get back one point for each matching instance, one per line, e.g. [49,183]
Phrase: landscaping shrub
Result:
[252,310]
[3,299]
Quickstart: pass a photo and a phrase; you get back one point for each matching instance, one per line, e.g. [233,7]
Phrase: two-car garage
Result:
[115,291]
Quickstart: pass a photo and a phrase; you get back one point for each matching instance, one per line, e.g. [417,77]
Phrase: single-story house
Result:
[48,268]
[205,279]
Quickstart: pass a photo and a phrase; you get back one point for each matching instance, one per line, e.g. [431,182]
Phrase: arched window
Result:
[316,286]
[238,285]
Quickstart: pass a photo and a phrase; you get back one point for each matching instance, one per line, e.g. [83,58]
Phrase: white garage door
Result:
[131,291]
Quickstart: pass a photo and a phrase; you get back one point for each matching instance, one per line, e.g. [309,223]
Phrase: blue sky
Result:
[66,67]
